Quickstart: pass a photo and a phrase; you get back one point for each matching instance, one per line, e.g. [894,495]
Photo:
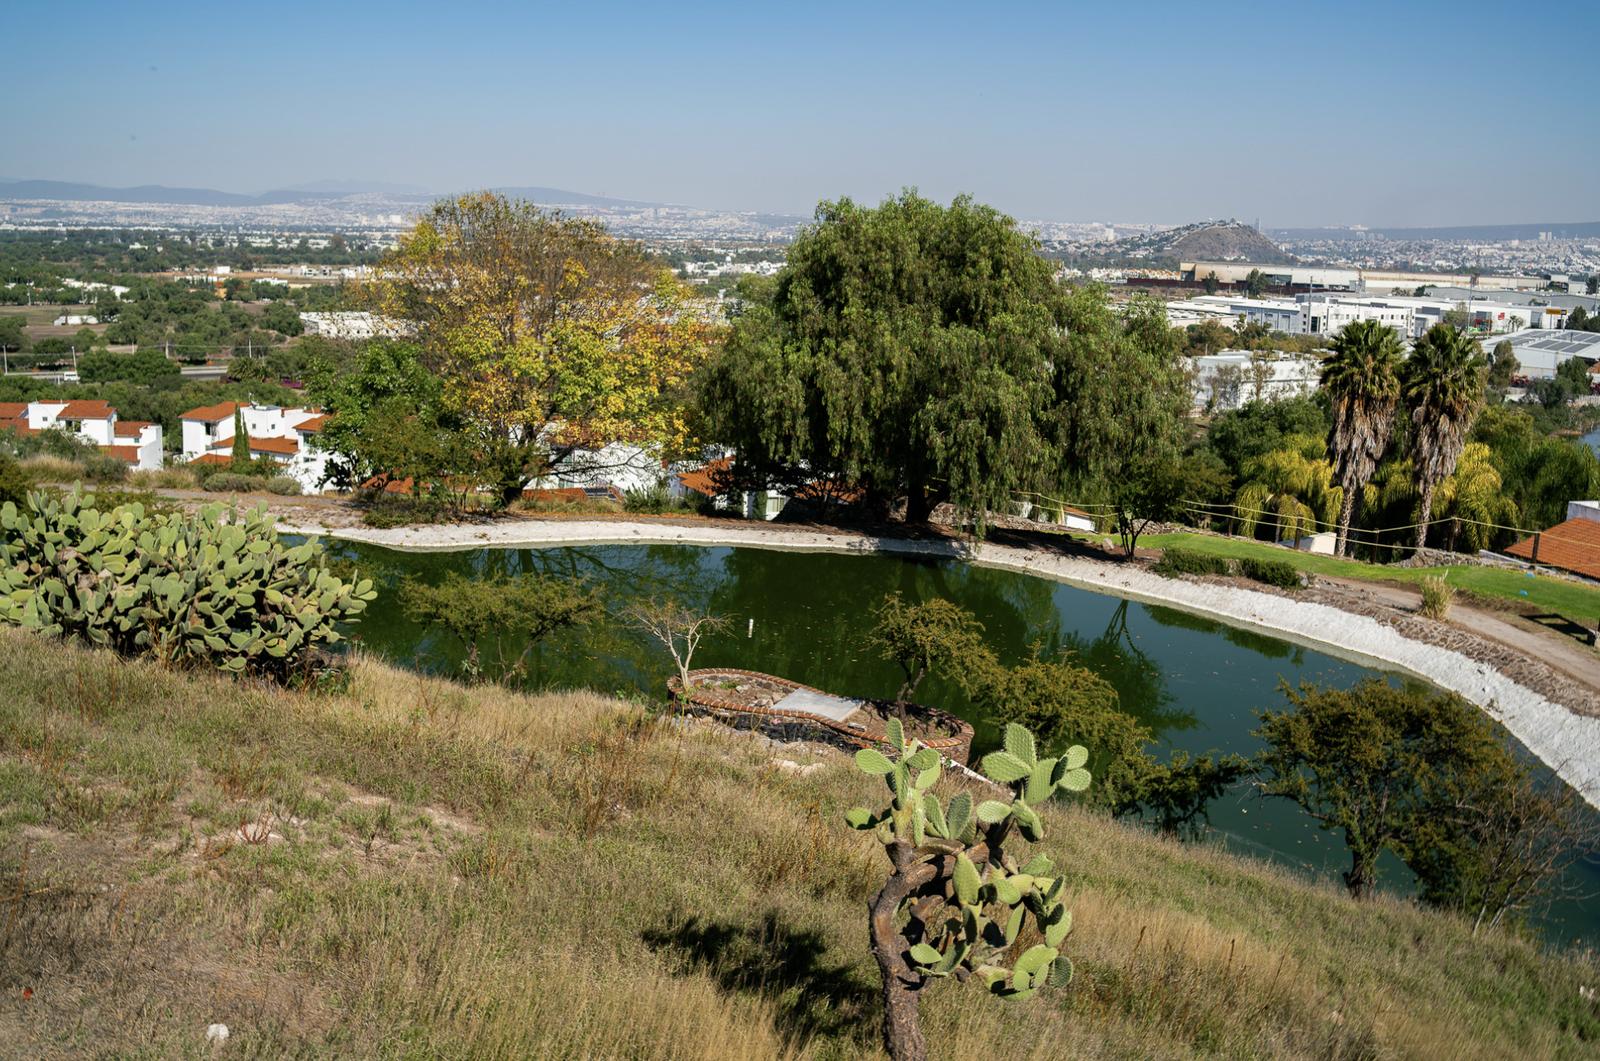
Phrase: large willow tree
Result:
[550,337]
[1362,381]
[922,353]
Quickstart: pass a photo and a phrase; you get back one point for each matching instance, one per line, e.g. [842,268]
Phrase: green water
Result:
[1197,683]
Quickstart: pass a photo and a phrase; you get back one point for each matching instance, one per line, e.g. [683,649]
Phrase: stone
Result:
[217,1033]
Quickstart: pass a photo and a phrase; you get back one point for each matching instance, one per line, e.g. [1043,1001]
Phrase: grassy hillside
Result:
[411,868]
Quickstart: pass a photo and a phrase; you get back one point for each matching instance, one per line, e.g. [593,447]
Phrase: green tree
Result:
[1292,487]
[12,337]
[1442,385]
[499,620]
[146,367]
[932,635]
[550,337]
[905,349]
[1255,284]
[1363,760]
[377,403]
[1151,490]
[1362,381]
[241,459]
[1210,283]
[1503,365]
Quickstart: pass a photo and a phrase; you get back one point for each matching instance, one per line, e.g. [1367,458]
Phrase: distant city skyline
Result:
[1413,115]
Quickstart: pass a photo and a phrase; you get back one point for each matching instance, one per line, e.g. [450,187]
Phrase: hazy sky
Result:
[1299,114]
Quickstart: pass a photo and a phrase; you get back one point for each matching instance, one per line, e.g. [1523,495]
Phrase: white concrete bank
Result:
[1567,742]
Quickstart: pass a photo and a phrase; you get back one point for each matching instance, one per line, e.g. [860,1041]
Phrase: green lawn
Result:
[1575,601]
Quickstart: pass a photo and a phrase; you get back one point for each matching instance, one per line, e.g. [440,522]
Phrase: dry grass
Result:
[413,868]
[164,479]
[41,468]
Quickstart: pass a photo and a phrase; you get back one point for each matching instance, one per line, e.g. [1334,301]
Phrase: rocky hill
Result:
[1213,241]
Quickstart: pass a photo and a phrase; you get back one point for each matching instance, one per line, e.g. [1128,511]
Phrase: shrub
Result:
[1278,573]
[13,481]
[1175,562]
[285,485]
[104,468]
[230,483]
[184,589]
[652,500]
[1437,596]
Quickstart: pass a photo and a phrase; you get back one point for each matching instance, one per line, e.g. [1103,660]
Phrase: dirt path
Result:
[1556,650]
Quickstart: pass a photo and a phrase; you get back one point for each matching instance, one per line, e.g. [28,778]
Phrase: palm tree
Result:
[1293,486]
[1362,378]
[1442,384]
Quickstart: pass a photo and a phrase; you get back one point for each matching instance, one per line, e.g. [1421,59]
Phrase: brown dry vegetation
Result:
[413,868]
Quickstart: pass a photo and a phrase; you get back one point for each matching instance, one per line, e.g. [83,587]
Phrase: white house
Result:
[276,433]
[353,325]
[1229,379]
[138,442]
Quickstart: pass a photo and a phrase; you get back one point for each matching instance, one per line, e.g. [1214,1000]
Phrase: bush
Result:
[230,482]
[1175,562]
[1437,596]
[104,468]
[13,481]
[1278,573]
[652,501]
[181,588]
[282,484]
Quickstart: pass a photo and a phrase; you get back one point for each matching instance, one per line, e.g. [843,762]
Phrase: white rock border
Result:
[1567,742]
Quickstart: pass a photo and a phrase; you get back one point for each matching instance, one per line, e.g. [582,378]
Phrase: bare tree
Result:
[679,629]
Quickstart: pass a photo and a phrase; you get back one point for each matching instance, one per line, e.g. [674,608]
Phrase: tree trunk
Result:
[1362,874]
[902,1023]
[1424,512]
[919,505]
[1347,511]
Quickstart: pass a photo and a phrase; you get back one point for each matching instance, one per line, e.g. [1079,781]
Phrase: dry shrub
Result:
[1437,596]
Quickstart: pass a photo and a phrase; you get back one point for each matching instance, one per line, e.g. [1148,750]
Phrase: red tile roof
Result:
[212,458]
[312,423]
[707,480]
[1571,546]
[130,428]
[210,414]
[127,453]
[13,410]
[264,445]
[86,410]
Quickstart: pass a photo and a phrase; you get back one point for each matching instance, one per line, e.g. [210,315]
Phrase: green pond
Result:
[1197,683]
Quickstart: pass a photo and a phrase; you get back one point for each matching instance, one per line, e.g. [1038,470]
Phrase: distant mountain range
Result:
[1490,233]
[317,191]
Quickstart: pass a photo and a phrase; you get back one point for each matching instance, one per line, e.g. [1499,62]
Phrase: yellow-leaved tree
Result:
[559,347]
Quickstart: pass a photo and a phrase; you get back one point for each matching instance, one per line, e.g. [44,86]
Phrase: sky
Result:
[1411,113]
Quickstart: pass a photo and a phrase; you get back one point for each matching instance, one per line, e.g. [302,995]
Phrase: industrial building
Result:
[1541,351]
[1231,378]
[1325,314]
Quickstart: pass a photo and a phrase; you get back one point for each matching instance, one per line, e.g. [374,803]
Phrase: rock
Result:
[217,1033]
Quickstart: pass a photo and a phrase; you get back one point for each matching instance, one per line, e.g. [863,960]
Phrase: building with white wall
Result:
[1539,352]
[138,442]
[275,433]
[1229,379]
[352,326]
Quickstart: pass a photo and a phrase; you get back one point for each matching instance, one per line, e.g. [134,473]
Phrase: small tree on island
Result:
[935,634]
[956,899]
[679,629]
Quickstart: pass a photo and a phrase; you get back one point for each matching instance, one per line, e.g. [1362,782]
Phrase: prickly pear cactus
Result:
[957,901]
[214,588]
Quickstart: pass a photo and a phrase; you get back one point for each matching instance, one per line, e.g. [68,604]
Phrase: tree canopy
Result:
[905,349]
[550,337]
